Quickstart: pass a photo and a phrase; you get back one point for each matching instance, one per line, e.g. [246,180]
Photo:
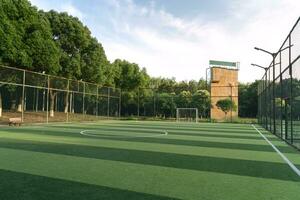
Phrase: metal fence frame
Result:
[66,88]
[276,90]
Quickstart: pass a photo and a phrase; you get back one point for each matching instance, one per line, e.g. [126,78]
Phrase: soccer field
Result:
[144,160]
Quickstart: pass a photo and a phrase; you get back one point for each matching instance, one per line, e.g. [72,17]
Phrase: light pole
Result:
[266,69]
[206,77]
[273,65]
[255,65]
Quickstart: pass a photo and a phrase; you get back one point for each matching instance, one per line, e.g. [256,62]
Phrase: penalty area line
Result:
[294,168]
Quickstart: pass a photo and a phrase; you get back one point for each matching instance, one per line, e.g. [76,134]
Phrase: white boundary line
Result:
[84,132]
[294,168]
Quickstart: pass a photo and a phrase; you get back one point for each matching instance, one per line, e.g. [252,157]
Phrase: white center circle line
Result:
[85,133]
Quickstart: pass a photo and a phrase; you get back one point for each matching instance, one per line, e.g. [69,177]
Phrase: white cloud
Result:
[176,47]
[62,7]
[72,10]
[172,46]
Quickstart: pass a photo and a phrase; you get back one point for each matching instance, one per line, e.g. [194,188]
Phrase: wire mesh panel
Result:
[10,102]
[278,107]
[166,106]
[295,41]
[76,101]
[130,103]
[187,115]
[37,97]
[114,102]
[296,102]
[146,102]
[90,110]
[280,95]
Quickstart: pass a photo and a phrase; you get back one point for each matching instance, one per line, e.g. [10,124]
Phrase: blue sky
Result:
[177,38]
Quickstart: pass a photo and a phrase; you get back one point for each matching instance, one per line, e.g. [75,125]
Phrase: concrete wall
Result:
[224,84]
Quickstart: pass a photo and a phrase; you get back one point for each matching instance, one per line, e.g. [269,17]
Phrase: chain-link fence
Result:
[37,97]
[279,91]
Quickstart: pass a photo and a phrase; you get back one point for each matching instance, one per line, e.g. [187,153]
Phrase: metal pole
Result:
[23,94]
[120,98]
[108,93]
[37,100]
[138,110]
[172,109]
[68,92]
[47,109]
[274,106]
[206,77]
[154,112]
[43,109]
[266,101]
[231,102]
[281,95]
[83,97]
[97,101]
[291,73]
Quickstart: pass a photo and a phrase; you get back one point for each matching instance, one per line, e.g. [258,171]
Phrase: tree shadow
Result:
[262,169]
[16,185]
[157,140]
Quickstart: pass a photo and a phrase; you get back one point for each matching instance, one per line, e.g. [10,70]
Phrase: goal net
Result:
[187,115]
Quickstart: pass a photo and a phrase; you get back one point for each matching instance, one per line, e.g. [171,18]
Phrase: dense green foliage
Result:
[226,105]
[248,99]
[60,44]
[26,38]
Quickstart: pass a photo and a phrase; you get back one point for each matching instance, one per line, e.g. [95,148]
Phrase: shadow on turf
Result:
[160,140]
[16,185]
[261,169]
[200,133]
[183,129]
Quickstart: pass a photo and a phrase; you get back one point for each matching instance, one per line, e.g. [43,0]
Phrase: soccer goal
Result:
[187,115]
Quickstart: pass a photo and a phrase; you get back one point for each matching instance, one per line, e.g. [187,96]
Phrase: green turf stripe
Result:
[184,184]
[202,163]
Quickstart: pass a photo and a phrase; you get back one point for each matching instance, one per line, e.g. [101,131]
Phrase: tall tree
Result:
[129,76]
[248,99]
[82,56]
[201,101]
[25,40]
[94,63]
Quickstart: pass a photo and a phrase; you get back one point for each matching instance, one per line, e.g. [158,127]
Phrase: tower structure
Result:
[223,85]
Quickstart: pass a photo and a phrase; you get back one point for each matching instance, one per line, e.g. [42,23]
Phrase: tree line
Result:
[57,43]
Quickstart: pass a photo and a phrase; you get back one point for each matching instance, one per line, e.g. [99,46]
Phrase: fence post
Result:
[120,99]
[97,101]
[67,101]
[108,93]
[231,102]
[274,106]
[291,73]
[23,98]
[47,106]
[83,98]
[154,106]
[281,95]
[138,110]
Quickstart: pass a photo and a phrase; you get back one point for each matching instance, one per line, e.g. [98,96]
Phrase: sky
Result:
[177,38]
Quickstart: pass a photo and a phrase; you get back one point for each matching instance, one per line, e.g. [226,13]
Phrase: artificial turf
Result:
[138,160]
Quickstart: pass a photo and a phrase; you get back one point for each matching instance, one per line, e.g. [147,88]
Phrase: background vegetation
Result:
[59,44]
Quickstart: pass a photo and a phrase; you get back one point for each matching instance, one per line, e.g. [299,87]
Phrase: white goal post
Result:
[187,115]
